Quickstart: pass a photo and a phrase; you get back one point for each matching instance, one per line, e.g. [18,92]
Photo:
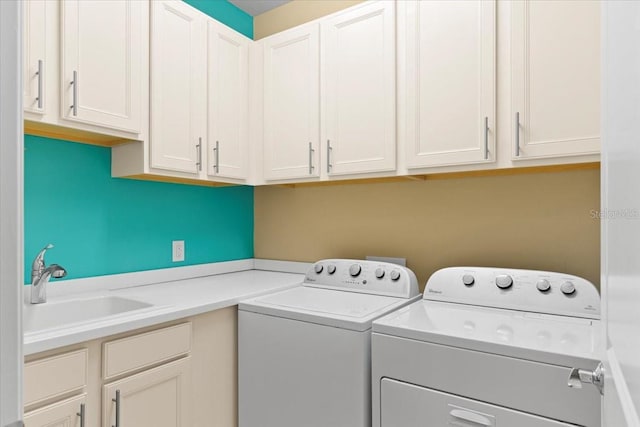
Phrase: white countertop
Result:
[170,300]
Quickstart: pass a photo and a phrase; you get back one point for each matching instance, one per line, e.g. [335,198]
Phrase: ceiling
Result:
[256,7]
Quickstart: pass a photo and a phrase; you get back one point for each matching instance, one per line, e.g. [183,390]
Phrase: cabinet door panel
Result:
[34,54]
[228,102]
[102,45]
[61,414]
[358,91]
[153,398]
[292,104]
[450,88]
[555,74]
[178,86]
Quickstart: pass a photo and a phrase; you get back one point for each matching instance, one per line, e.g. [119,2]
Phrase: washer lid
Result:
[559,340]
[347,310]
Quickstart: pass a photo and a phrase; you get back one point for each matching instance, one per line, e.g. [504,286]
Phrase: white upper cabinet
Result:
[35,55]
[359,89]
[292,104]
[555,78]
[228,122]
[101,62]
[178,87]
[450,81]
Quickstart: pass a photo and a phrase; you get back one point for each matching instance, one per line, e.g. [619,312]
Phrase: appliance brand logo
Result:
[433,291]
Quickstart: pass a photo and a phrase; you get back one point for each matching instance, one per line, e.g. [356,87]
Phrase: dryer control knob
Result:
[568,288]
[395,275]
[331,269]
[504,281]
[543,285]
[468,280]
[379,272]
[318,268]
[355,270]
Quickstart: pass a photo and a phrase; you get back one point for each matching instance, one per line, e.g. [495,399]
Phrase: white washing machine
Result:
[490,347]
[304,353]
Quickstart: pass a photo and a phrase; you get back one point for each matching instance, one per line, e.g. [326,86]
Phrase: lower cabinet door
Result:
[66,413]
[154,398]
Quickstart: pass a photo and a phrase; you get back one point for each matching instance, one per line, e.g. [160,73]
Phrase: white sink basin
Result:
[51,315]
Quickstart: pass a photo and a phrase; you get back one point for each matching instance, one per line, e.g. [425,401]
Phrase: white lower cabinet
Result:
[141,378]
[66,413]
[155,398]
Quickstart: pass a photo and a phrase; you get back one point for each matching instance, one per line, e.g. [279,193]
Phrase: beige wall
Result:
[295,13]
[538,221]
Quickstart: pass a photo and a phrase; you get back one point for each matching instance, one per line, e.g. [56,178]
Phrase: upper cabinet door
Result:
[228,102]
[34,55]
[359,89]
[450,90]
[555,78]
[292,104]
[178,86]
[102,52]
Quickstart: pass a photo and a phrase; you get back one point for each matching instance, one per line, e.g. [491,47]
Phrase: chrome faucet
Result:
[40,276]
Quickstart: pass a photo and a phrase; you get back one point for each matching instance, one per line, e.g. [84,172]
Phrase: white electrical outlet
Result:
[177,250]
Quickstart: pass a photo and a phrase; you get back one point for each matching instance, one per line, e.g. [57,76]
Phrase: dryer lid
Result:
[560,340]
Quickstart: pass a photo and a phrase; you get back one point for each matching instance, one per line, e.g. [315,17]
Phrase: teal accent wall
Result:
[227,13]
[102,225]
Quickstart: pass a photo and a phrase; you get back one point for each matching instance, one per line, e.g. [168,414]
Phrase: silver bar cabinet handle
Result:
[199,153]
[486,138]
[117,402]
[216,151]
[329,155]
[517,134]
[311,151]
[74,83]
[81,414]
[39,74]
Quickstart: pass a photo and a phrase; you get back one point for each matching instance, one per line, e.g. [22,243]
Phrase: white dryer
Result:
[304,353]
[490,347]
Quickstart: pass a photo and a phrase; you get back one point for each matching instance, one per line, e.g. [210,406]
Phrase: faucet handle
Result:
[57,271]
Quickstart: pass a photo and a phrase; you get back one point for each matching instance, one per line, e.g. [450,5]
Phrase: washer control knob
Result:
[331,269]
[468,280]
[379,272]
[504,281]
[543,285]
[395,275]
[568,288]
[318,268]
[355,270]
